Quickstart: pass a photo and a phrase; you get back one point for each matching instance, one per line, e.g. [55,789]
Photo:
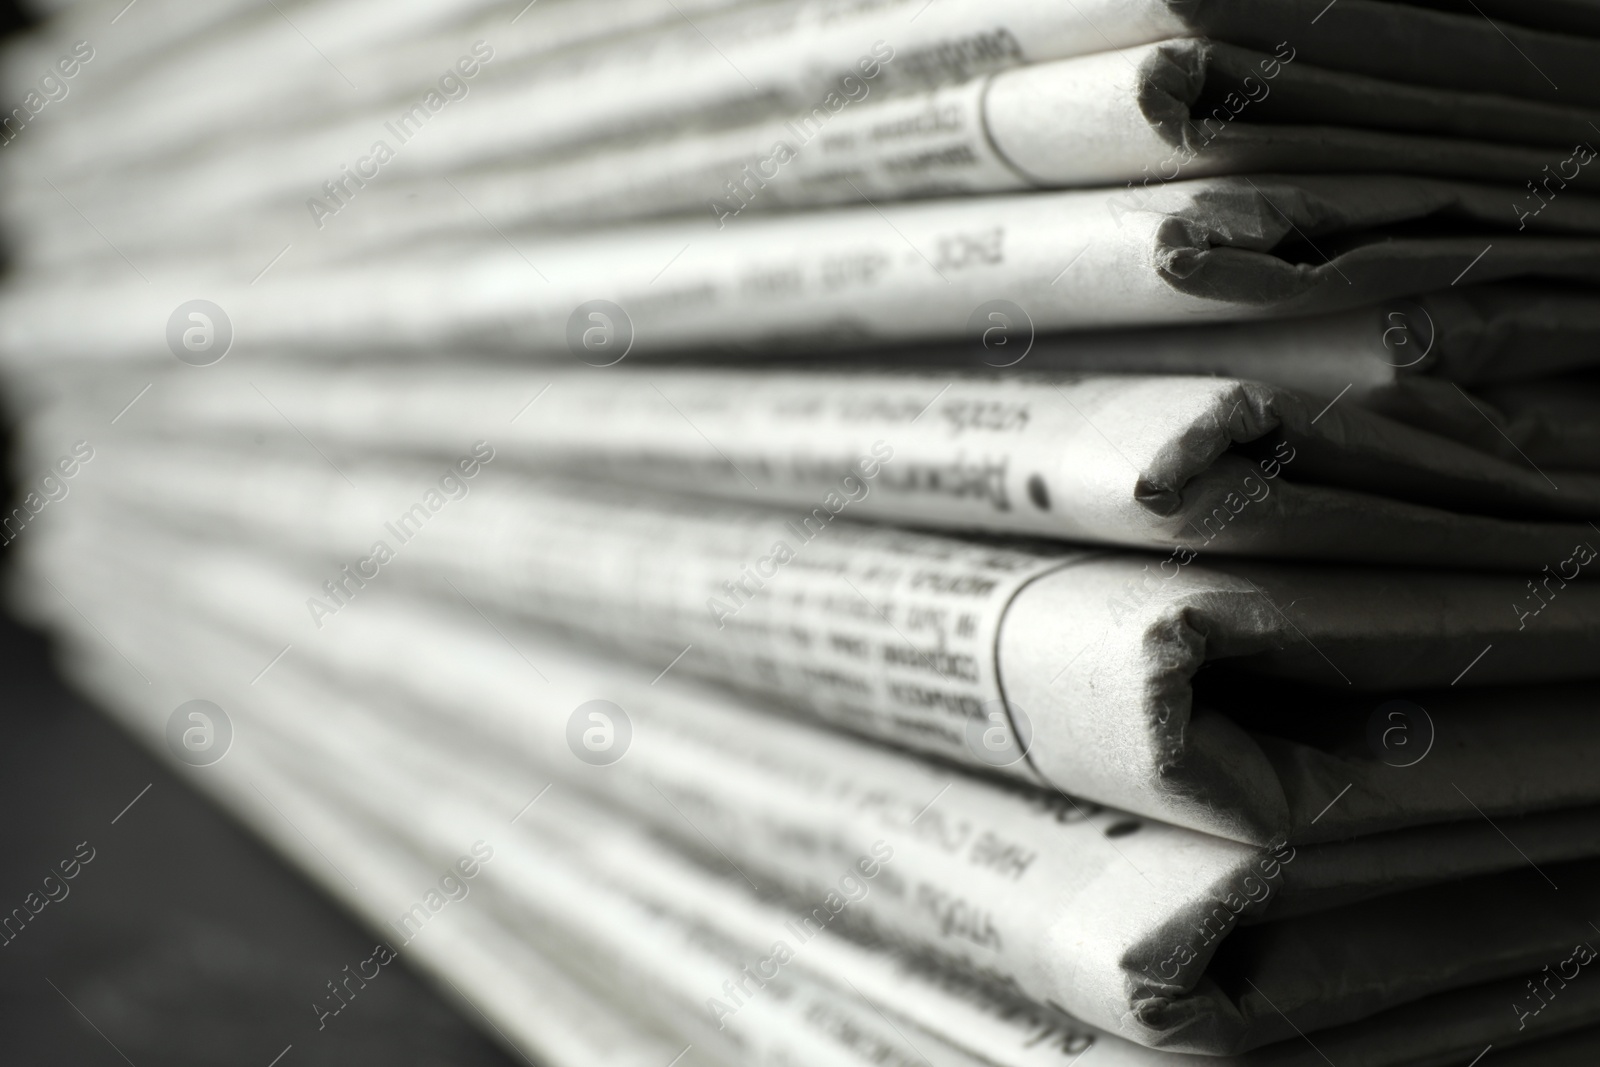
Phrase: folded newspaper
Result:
[766,58]
[1524,351]
[1151,114]
[1520,349]
[384,50]
[538,935]
[1108,675]
[826,715]
[1186,251]
[1186,465]
[1130,926]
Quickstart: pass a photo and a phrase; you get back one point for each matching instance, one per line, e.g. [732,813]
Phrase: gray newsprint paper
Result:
[1124,924]
[1000,1030]
[1520,349]
[1186,465]
[1150,114]
[1133,680]
[1209,249]
[719,918]
[476,953]
[766,58]
[1524,350]
[384,51]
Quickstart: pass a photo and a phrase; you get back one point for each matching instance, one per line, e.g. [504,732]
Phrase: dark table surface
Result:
[184,940]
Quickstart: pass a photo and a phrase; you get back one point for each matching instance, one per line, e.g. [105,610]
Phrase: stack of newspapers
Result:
[849,532]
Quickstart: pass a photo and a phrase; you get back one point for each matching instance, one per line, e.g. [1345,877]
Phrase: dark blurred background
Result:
[183,941]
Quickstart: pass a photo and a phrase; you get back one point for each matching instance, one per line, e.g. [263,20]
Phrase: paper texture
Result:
[678,888]
[1107,892]
[829,715]
[800,50]
[1206,465]
[1150,114]
[946,646]
[782,56]
[533,1004]
[1210,249]
[370,53]
[1402,358]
